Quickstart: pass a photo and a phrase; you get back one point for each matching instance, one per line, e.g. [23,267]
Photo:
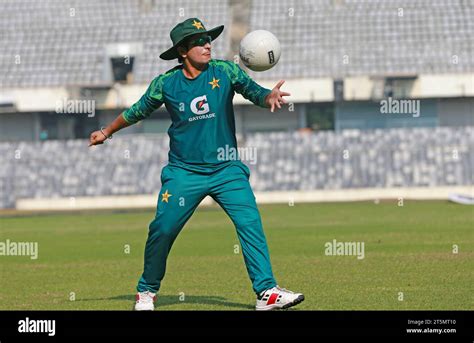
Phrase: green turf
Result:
[408,249]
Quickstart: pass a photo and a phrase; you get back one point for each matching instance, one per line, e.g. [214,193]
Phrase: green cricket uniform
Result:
[202,123]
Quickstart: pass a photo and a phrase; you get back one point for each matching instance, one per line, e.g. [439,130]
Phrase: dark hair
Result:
[184,45]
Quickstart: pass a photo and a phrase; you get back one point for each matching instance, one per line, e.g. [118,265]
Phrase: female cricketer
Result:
[198,96]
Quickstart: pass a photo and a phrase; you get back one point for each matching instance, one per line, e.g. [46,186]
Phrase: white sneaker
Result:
[144,301]
[277,298]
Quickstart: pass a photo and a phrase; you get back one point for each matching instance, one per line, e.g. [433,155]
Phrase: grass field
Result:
[408,249]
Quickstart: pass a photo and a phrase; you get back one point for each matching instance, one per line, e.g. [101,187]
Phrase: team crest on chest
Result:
[215,83]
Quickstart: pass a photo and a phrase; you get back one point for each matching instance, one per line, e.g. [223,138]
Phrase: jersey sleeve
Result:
[150,101]
[243,84]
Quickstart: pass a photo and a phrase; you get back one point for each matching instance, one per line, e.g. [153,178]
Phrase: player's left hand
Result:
[275,98]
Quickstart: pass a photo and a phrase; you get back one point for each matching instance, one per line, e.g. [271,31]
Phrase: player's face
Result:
[199,49]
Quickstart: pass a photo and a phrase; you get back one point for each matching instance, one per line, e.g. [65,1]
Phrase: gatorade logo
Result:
[200,105]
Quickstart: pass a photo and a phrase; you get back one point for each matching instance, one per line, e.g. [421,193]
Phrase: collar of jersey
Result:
[197,77]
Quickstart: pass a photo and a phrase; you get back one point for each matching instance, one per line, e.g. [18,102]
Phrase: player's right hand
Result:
[96,138]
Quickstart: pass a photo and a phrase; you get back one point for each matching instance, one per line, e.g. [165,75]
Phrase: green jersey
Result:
[201,111]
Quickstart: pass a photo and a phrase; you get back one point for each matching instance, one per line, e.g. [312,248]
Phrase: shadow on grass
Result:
[169,300]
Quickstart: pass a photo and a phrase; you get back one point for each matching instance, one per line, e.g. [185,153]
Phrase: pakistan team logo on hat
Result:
[185,29]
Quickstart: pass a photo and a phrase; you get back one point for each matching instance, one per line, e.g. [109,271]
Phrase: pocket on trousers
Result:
[245,169]
[165,174]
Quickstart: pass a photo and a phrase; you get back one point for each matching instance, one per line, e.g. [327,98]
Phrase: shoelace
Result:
[278,288]
[284,290]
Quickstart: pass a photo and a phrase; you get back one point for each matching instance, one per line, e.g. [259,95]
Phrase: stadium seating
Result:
[57,43]
[423,157]
[351,159]
[341,38]
[51,43]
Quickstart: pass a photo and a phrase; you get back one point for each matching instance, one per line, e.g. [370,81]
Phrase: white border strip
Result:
[342,195]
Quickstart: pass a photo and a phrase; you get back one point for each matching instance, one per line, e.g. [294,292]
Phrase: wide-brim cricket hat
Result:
[185,29]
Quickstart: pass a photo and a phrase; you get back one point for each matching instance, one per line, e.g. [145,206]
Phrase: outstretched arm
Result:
[150,101]
[252,91]
[98,137]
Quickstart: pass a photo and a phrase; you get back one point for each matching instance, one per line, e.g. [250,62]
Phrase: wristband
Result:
[102,130]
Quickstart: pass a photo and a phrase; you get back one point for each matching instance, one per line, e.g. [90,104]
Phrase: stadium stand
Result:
[285,161]
[353,37]
[63,43]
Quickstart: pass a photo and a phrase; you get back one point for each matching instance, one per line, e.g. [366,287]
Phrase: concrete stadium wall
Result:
[18,126]
[360,108]
[291,198]
[302,90]
[367,115]
[456,112]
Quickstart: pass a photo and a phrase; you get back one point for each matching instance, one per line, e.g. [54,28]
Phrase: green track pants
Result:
[182,191]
